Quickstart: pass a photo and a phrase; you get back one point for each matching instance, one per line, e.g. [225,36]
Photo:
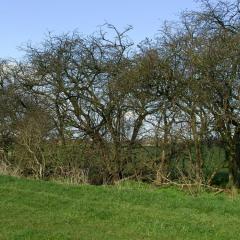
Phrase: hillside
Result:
[31,209]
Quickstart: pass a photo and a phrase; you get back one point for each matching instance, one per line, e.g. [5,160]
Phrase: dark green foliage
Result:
[221,178]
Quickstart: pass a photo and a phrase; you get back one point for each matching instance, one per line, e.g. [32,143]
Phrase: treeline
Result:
[99,108]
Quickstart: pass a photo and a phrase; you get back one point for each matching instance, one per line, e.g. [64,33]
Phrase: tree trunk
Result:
[232,168]
[233,155]
[198,153]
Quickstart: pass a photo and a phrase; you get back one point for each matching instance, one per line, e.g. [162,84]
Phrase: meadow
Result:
[32,209]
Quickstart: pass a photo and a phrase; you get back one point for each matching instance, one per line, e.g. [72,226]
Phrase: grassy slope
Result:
[43,210]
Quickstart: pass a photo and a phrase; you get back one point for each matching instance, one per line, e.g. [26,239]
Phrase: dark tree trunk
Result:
[234,159]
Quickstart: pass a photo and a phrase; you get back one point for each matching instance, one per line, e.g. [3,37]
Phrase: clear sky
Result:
[22,21]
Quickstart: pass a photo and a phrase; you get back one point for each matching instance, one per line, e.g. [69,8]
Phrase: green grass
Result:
[31,209]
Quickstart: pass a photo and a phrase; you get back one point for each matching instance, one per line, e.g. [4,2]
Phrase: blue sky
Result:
[28,20]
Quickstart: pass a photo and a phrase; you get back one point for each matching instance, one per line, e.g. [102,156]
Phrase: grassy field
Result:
[32,209]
